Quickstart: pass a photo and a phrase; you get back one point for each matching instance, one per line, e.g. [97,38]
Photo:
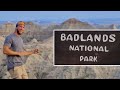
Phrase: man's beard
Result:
[18,32]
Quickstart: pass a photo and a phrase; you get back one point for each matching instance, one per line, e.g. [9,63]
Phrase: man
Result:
[13,48]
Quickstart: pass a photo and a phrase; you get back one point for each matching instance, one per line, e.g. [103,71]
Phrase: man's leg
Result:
[16,73]
[11,71]
[24,72]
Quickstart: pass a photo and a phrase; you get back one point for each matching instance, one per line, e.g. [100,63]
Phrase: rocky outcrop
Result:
[73,23]
[7,28]
[113,26]
[107,26]
[1,41]
[34,41]
[3,67]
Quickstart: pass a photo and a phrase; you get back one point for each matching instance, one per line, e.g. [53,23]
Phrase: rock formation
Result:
[113,26]
[73,23]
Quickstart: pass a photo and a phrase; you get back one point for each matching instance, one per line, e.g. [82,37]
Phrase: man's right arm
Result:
[8,51]
[7,45]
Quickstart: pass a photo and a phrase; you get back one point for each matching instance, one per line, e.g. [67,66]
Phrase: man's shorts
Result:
[19,72]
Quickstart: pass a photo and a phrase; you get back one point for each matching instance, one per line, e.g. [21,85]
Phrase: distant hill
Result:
[107,26]
[113,26]
[73,23]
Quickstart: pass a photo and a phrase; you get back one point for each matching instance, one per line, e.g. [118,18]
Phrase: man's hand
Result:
[35,51]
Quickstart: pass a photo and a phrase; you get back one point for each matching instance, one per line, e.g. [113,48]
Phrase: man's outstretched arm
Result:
[8,51]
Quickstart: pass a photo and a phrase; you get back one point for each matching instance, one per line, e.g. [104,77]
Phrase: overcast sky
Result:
[37,15]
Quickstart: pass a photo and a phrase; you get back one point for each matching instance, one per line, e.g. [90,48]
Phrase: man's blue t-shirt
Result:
[15,43]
